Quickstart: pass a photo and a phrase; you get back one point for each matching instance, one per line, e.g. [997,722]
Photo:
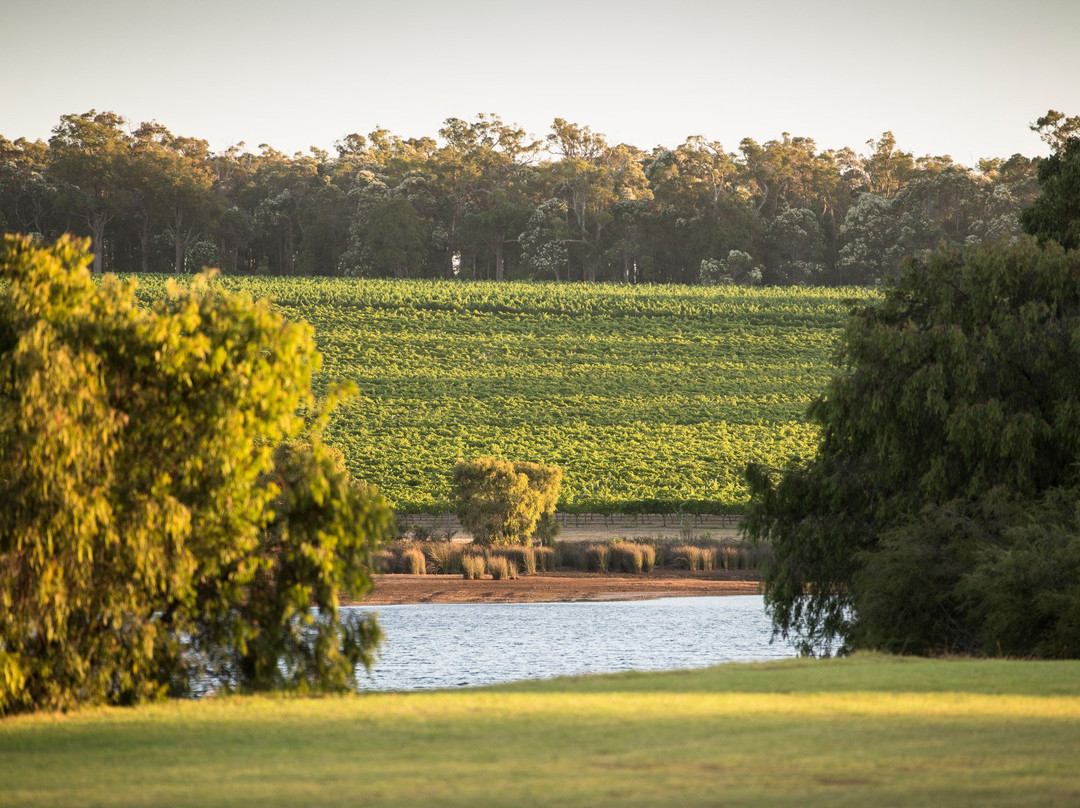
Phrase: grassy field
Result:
[869,731]
[651,398]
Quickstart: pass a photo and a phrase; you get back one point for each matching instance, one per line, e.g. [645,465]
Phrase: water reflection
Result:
[457,645]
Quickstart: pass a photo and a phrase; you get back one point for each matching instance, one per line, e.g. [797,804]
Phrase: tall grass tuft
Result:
[523,557]
[413,561]
[473,565]
[545,558]
[571,554]
[501,568]
[597,557]
[444,556]
[648,558]
[627,556]
[688,556]
[383,561]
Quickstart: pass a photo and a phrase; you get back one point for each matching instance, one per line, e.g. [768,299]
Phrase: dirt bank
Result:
[395,589]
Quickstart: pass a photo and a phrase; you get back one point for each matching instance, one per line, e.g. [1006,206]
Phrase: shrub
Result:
[501,502]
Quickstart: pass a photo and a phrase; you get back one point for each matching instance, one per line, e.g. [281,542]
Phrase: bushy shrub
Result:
[501,502]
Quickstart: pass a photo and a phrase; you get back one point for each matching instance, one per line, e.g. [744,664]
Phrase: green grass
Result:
[869,731]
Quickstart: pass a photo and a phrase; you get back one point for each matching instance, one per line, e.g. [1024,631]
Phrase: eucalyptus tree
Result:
[88,154]
[886,169]
[188,194]
[1055,215]
[938,514]
[168,509]
[27,194]
[482,170]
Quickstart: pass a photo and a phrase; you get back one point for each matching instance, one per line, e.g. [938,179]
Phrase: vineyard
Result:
[651,399]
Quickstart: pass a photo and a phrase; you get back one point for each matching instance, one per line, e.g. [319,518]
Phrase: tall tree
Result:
[1055,215]
[27,195]
[88,154]
[150,530]
[939,513]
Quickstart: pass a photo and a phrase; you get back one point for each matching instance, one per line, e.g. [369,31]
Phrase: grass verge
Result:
[870,730]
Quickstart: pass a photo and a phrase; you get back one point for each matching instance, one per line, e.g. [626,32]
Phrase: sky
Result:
[959,77]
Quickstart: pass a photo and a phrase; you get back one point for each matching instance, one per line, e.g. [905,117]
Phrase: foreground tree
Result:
[1055,215]
[149,529]
[940,513]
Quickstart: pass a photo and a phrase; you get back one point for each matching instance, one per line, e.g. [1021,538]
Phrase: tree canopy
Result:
[940,511]
[485,200]
[1055,215]
[167,515]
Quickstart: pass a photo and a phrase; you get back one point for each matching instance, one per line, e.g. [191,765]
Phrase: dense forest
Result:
[486,200]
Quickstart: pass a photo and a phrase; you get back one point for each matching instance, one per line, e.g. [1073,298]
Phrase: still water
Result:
[460,645]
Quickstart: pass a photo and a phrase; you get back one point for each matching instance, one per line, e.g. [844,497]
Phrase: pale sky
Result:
[957,77]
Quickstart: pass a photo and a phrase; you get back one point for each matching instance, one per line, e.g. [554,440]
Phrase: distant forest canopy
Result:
[485,200]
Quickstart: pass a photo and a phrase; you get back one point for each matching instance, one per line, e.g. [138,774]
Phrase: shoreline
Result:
[400,589]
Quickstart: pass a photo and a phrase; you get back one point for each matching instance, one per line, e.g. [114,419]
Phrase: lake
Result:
[463,645]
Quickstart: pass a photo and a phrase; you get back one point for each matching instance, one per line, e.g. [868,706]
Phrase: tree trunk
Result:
[500,268]
[97,223]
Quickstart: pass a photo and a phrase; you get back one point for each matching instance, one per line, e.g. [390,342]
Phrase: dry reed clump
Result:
[545,558]
[694,558]
[622,555]
[383,561]
[501,568]
[570,554]
[444,557]
[473,565]
[597,558]
[627,556]
[413,561]
[522,556]
[648,559]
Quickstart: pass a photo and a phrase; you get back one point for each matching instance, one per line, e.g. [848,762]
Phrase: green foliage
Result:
[143,528]
[939,513]
[650,398]
[500,502]
[287,631]
[1055,215]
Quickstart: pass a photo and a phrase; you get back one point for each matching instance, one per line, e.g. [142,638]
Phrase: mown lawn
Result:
[867,731]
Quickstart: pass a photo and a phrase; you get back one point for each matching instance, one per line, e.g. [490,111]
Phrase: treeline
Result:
[485,200]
